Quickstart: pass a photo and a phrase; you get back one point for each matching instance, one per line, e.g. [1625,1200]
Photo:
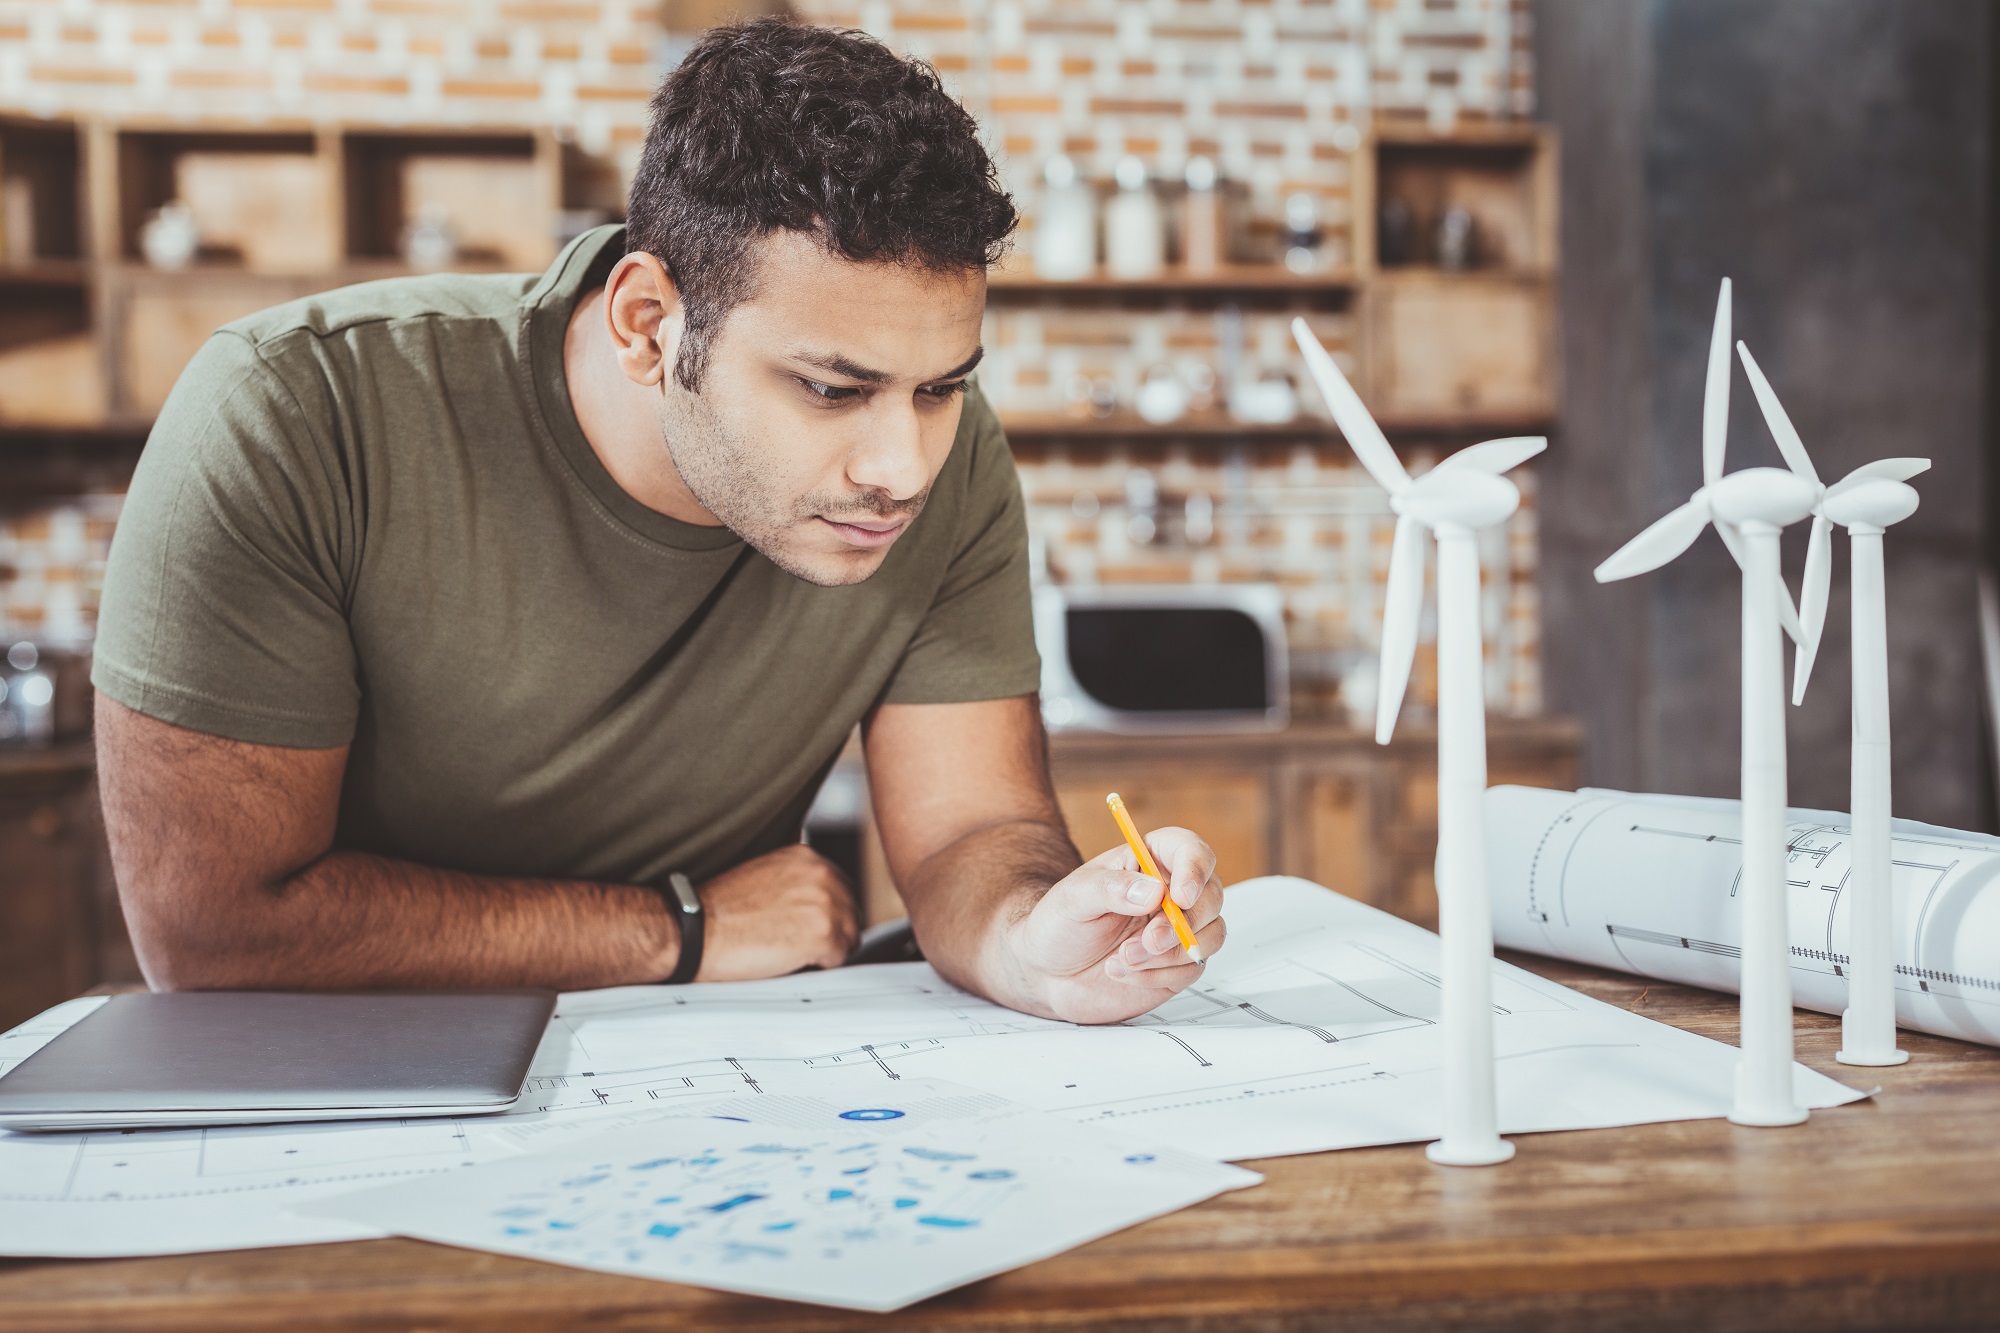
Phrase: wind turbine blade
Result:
[1782,430]
[1370,445]
[1788,615]
[1895,469]
[1496,456]
[1402,604]
[1812,603]
[1658,544]
[1715,402]
[1731,539]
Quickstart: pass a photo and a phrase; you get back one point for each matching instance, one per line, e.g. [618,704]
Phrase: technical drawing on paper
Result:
[1647,884]
[1314,1029]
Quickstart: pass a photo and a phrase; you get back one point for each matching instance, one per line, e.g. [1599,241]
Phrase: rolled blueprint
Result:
[1648,885]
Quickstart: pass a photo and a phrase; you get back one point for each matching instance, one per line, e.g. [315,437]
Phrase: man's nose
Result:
[891,458]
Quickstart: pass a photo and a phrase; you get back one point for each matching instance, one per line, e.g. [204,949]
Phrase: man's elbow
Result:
[181,947]
[178,965]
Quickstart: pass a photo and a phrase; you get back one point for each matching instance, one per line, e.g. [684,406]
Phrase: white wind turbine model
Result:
[1454,500]
[1749,509]
[1865,502]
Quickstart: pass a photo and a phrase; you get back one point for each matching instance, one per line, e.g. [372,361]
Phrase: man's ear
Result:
[642,310]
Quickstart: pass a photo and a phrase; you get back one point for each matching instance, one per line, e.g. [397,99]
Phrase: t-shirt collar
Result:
[584,263]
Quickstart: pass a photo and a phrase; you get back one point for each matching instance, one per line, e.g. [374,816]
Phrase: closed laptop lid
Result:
[253,1051]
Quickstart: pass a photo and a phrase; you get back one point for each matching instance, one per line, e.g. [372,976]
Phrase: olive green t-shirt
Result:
[370,518]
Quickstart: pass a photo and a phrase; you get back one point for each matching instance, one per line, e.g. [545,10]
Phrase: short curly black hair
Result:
[775,124]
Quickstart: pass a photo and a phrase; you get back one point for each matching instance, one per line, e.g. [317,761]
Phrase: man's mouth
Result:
[867,533]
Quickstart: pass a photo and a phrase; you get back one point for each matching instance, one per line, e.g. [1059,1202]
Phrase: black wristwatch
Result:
[685,904]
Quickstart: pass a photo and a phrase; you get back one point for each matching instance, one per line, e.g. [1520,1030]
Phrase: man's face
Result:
[828,406]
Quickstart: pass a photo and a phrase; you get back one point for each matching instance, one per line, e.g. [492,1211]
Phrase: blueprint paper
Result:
[870,1205]
[1314,1028]
[1647,884]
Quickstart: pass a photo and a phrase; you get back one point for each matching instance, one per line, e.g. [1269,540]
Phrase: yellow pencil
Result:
[1149,866]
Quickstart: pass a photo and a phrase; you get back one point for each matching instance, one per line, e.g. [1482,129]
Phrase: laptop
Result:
[191,1058]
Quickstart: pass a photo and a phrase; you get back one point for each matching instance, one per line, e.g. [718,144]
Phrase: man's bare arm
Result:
[224,857]
[997,894]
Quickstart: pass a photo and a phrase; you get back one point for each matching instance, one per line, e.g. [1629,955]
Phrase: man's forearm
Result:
[352,920]
[226,865]
[965,898]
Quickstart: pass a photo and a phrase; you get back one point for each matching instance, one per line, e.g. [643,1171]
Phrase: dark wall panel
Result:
[1591,59]
[1830,156]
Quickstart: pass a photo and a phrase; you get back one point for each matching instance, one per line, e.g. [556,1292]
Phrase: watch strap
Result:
[685,903]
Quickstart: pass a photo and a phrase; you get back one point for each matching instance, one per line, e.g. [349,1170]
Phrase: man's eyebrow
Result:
[965,367]
[836,364]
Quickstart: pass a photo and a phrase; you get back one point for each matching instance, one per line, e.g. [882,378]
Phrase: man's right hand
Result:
[786,910]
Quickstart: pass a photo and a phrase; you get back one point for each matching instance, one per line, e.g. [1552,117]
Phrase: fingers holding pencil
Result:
[1149,960]
[1189,866]
[1187,873]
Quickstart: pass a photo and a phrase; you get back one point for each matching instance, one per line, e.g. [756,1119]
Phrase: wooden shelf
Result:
[1125,425]
[33,769]
[1230,280]
[58,273]
[1391,130]
[501,190]
[1493,275]
[1039,428]
[319,279]
[1504,178]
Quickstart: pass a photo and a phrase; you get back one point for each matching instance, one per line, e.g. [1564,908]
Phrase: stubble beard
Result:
[720,471]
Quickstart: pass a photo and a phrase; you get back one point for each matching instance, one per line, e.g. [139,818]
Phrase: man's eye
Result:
[833,393]
[943,390]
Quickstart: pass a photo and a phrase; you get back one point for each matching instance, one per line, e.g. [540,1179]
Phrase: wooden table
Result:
[1883,1214]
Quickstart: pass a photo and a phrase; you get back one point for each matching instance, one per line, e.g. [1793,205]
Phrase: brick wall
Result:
[1279,94]
[586,67]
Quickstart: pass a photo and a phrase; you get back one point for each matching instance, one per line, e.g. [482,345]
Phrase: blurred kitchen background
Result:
[1503,217]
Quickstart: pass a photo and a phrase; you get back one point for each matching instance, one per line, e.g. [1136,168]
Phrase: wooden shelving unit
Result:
[1470,344]
[1445,354]
[92,337]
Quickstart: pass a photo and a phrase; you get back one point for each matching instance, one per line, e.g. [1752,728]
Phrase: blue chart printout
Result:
[870,1206]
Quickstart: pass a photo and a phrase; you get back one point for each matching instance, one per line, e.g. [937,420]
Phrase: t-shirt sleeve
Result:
[978,639]
[224,605]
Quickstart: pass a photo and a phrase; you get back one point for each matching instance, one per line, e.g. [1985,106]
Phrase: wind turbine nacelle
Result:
[1761,495]
[1458,498]
[1876,503]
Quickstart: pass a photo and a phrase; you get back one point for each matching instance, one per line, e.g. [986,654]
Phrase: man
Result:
[451,617]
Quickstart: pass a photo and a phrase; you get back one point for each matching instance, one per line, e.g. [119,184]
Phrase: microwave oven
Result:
[1162,658]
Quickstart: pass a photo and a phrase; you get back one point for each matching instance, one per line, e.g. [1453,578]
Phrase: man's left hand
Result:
[1098,949]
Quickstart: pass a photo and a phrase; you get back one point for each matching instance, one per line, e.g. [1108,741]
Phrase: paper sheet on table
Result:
[924,1187]
[1647,884]
[1314,1028]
